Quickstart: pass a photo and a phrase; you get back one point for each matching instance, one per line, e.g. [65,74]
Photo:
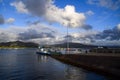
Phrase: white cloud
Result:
[6,36]
[20,7]
[84,34]
[86,37]
[111,4]
[10,20]
[46,9]
[90,13]
[67,16]
[38,33]
[118,26]
[44,34]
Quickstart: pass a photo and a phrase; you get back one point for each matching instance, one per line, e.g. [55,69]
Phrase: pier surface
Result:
[107,64]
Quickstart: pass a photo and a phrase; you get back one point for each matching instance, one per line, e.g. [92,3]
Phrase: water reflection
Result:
[25,64]
[42,58]
[62,71]
[73,73]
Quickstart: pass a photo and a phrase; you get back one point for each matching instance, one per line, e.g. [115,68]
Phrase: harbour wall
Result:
[105,64]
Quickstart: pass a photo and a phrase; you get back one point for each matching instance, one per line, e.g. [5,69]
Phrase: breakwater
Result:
[105,64]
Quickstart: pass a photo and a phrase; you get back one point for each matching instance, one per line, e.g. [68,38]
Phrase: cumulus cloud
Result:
[111,4]
[10,20]
[38,33]
[2,21]
[46,9]
[67,16]
[38,7]
[43,34]
[20,6]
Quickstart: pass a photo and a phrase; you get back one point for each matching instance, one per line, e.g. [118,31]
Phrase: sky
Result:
[94,22]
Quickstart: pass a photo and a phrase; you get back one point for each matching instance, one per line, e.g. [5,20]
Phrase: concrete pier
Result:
[105,64]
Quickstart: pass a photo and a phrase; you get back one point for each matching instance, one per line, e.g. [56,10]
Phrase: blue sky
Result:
[88,21]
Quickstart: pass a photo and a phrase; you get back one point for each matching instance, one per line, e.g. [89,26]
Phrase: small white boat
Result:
[42,51]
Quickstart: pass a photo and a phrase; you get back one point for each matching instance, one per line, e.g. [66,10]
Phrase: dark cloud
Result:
[106,37]
[33,34]
[37,7]
[2,21]
[109,34]
[68,36]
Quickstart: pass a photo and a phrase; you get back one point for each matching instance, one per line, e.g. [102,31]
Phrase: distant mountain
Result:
[74,45]
[18,44]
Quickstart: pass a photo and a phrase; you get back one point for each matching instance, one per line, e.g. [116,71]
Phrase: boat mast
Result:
[67,41]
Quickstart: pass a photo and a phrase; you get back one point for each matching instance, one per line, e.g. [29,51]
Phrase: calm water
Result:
[25,64]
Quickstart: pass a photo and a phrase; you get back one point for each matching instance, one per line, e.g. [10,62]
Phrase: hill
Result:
[74,45]
[18,44]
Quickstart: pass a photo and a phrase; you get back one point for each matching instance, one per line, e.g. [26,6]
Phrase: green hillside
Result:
[18,44]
